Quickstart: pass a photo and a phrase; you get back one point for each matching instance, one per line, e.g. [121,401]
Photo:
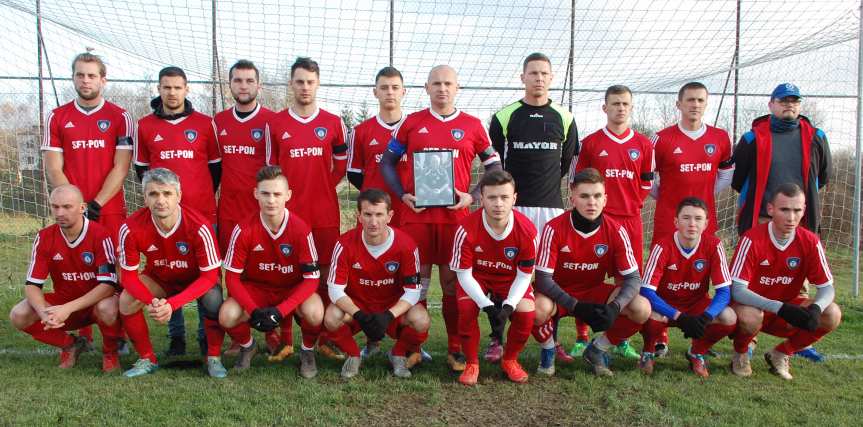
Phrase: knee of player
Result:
[128,304]
[22,315]
[727,316]
[831,317]
[107,310]
[542,312]
[211,302]
[638,309]
[418,318]
[313,310]
[525,305]
[230,313]
[749,319]
[333,318]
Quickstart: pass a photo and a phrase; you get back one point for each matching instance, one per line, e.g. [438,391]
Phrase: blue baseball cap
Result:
[785,90]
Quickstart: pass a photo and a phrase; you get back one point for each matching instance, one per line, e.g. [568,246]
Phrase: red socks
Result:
[621,329]
[136,329]
[344,339]
[450,309]
[55,337]
[520,325]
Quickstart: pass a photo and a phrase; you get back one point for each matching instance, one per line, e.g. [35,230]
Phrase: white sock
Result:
[602,343]
[548,344]
[303,347]
[248,344]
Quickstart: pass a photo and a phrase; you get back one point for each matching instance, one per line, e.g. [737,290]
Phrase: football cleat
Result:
[413,359]
[494,351]
[244,359]
[123,347]
[141,367]
[740,365]
[351,367]
[626,351]
[513,371]
[233,350]
[110,362]
[456,361]
[274,342]
[286,352]
[69,355]
[698,364]
[308,365]
[546,361]
[661,349]
[400,369]
[330,352]
[427,357]
[562,355]
[811,354]
[372,348]
[215,368]
[597,359]
[779,364]
[578,348]
[647,362]
[470,374]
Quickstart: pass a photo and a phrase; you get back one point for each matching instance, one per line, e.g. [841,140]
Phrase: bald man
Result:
[78,255]
[440,127]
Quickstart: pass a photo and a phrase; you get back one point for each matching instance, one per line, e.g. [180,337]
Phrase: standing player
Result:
[495,252]
[692,159]
[625,158]
[772,261]
[374,286]
[577,251]
[441,126]
[676,279]
[536,139]
[78,256]
[177,137]
[88,143]
[182,265]
[271,270]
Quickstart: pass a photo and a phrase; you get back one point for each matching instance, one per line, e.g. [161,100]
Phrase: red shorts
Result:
[225,228]
[595,295]
[695,308]
[633,227]
[434,241]
[77,319]
[267,297]
[325,241]
[112,223]
[499,291]
[777,326]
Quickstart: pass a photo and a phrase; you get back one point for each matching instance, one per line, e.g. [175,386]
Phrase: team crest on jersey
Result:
[286,249]
[793,263]
[391,266]
[257,134]
[510,252]
[191,135]
[321,132]
[634,154]
[457,134]
[710,149]
[600,249]
[87,257]
[183,247]
[103,125]
[699,265]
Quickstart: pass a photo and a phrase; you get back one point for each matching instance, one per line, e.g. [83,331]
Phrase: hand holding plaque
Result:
[434,178]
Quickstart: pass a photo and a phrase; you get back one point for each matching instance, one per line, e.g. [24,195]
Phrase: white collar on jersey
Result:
[442,118]
[176,226]
[305,120]
[506,231]
[378,250]
[281,227]
[178,120]
[693,134]
[680,247]
[386,126]
[249,117]
[610,135]
[93,111]
[73,244]
[775,241]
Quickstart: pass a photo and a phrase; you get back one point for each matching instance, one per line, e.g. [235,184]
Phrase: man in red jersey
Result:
[441,126]
[374,286]
[177,137]
[271,270]
[577,251]
[771,264]
[88,143]
[494,253]
[625,158]
[677,276]
[694,160]
[182,265]
[78,256]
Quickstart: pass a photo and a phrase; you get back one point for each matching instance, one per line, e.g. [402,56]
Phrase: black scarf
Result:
[159,109]
[583,224]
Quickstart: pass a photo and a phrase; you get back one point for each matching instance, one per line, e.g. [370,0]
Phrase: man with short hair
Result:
[494,253]
[182,265]
[677,275]
[772,261]
[577,251]
[440,127]
[78,256]
[536,139]
[177,137]
[374,286]
[272,273]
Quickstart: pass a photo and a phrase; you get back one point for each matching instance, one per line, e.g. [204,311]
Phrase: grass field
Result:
[35,392]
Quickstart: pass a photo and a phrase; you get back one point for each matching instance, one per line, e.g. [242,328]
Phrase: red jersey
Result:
[268,260]
[626,162]
[494,258]
[174,259]
[687,167]
[242,143]
[369,140]
[682,279]
[775,271]
[185,146]
[580,261]
[312,152]
[375,281]
[88,141]
[426,130]
[72,266]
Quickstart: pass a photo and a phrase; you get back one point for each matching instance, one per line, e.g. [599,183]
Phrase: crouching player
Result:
[374,286]
[494,252]
[770,266]
[79,257]
[271,270]
[182,265]
[577,250]
[676,279]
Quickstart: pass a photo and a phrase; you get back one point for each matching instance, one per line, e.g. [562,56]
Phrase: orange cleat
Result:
[513,371]
[470,374]
[110,362]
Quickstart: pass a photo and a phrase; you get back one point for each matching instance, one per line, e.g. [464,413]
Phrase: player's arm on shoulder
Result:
[214,156]
[743,159]
[825,160]
[355,160]
[490,162]
[495,134]
[570,147]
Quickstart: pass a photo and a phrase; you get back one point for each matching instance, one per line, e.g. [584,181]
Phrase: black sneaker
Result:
[177,347]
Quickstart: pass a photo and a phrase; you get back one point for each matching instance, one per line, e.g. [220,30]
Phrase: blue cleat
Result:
[811,354]
[598,360]
[546,361]
[215,368]
[141,367]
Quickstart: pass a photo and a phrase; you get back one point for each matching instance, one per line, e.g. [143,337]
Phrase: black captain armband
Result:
[106,269]
[647,176]
[309,268]
[726,164]
[487,154]
[124,141]
[527,262]
[339,149]
[412,280]
[29,283]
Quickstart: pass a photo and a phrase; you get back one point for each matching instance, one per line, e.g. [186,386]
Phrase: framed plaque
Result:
[434,178]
